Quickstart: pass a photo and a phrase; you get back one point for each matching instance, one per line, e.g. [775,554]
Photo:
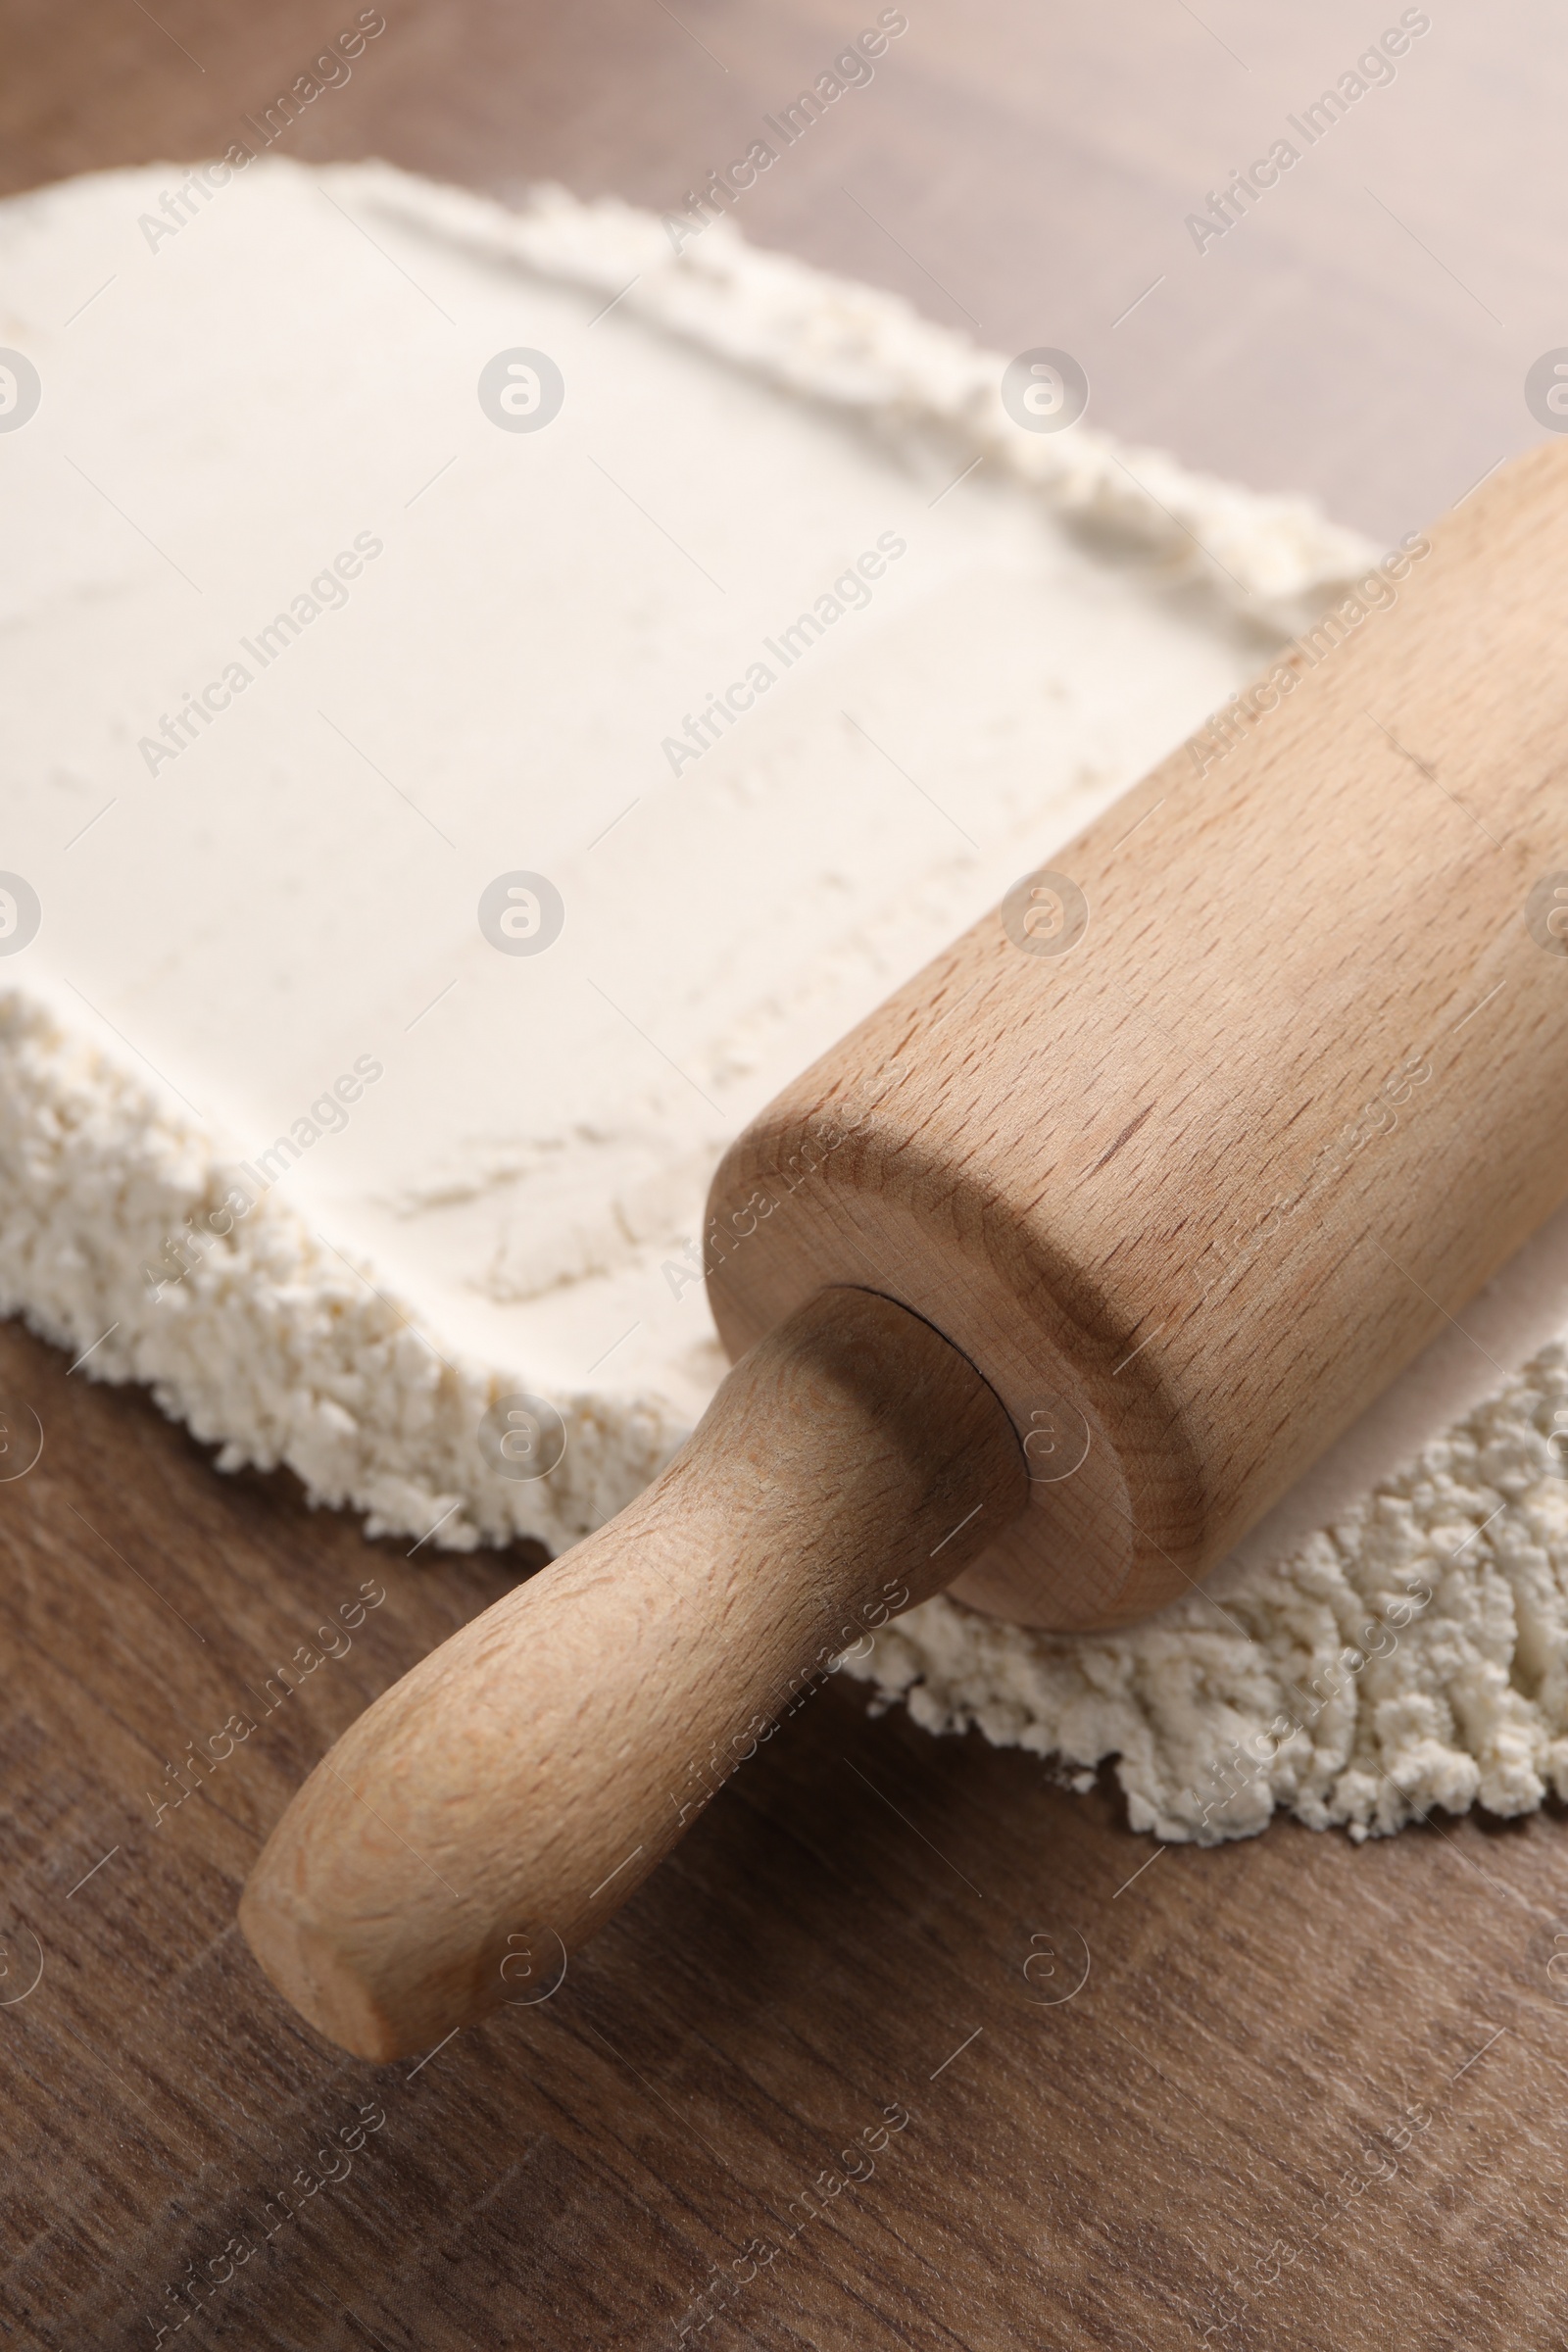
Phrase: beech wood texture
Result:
[498,1805]
[1132,2166]
[1207,1181]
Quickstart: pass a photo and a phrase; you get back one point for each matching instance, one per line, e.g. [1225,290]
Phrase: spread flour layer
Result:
[491,699]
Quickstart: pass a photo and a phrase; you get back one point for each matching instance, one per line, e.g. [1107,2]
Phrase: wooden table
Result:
[1284,2095]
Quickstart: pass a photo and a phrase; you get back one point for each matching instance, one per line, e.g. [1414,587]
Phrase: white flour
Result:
[1412,1655]
[286,1137]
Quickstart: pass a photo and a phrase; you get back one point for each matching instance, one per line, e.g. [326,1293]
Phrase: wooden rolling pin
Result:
[1048,1280]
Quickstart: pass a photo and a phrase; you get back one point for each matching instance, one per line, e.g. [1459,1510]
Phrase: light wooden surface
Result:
[495,1808]
[1175,2153]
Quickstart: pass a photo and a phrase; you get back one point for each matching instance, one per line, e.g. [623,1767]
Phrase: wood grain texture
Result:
[1173,2155]
[1294,1087]
[497,1807]
[1196,2135]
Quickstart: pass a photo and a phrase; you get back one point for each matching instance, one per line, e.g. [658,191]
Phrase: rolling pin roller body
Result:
[1200,1187]
[1054,1274]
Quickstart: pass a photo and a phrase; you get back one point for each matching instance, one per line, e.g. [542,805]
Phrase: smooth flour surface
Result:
[311,649]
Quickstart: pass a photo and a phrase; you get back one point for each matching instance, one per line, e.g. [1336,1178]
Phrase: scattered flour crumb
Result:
[1413,1656]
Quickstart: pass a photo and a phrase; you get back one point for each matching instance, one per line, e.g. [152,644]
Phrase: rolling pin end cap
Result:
[307,1966]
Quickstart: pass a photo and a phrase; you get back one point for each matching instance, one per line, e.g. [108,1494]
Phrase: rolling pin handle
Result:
[496,1806]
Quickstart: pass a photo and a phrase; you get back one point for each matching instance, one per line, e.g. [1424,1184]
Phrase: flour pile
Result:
[1414,1655]
[769,654]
